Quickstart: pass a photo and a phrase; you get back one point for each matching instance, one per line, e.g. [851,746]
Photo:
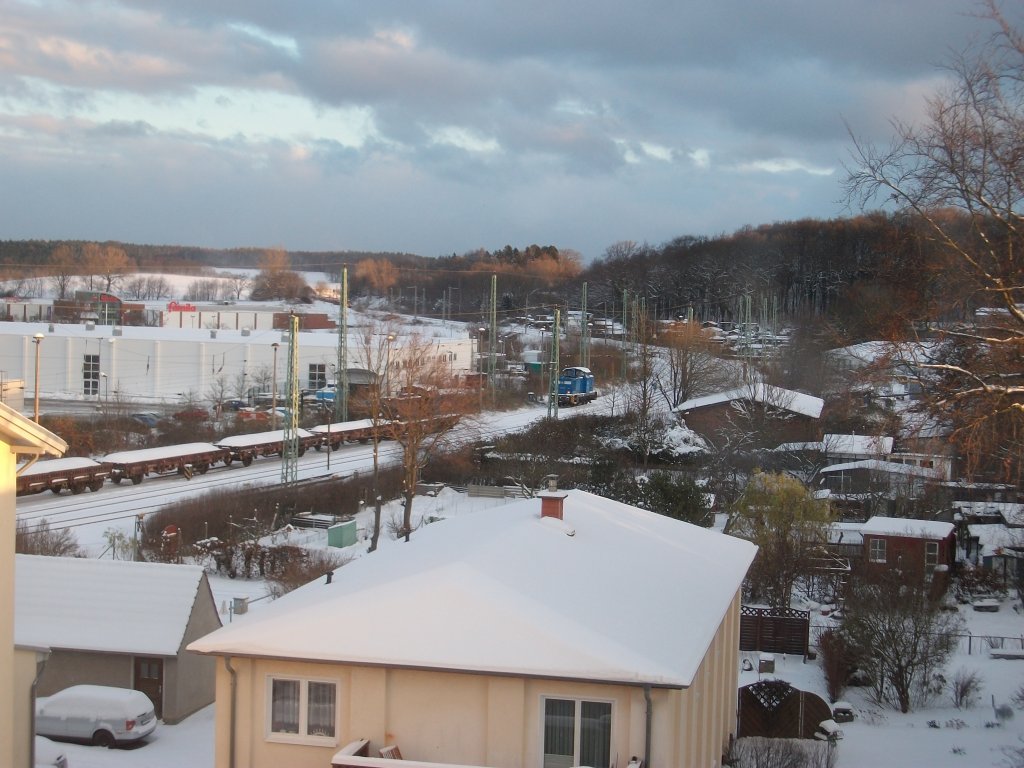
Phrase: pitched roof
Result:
[887,467]
[857,444]
[630,597]
[112,606]
[902,526]
[27,436]
[786,399]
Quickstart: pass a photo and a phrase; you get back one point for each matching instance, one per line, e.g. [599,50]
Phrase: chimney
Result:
[551,500]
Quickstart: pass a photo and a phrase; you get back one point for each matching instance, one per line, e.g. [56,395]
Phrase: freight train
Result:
[76,474]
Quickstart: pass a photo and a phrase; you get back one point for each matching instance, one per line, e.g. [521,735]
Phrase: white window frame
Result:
[931,556]
[577,722]
[302,737]
[877,550]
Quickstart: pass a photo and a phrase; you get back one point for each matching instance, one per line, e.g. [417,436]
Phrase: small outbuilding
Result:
[119,623]
[923,547]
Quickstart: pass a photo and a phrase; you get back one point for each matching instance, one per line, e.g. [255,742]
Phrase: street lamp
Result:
[387,367]
[273,390]
[35,410]
[106,389]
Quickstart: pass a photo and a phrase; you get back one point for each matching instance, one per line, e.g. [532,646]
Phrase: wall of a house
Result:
[189,678]
[7,703]
[480,719]
[26,662]
[67,668]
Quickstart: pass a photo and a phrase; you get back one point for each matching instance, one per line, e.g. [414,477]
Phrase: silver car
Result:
[96,714]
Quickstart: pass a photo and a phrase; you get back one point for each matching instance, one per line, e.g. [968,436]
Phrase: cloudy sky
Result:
[443,126]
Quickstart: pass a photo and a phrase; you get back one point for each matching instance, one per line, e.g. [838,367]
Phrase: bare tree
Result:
[425,411]
[63,267]
[692,367]
[960,174]
[373,354]
[899,634]
[41,539]
[234,286]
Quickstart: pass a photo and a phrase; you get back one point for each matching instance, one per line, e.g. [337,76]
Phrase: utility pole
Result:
[290,445]
[493,340]
[584,331]
[341,376]
[556,333]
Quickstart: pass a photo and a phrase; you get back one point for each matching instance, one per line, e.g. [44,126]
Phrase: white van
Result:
[96,714]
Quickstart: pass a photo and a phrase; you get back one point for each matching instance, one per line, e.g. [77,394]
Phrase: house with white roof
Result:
[921,548]
[764,414]
[562,631]
[19,437]
[119,623]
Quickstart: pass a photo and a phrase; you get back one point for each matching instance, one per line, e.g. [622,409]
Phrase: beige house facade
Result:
[589,635]
[18,437]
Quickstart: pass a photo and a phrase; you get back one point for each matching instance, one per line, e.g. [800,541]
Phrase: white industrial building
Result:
[136,364]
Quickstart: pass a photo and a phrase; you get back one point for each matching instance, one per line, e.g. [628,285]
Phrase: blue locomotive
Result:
[575,386]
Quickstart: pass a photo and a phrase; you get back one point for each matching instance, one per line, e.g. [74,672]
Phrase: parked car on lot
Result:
[147,419]
[49,755]
[96,714]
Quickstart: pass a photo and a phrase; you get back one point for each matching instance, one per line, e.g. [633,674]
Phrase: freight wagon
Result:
[245,448]
[185,459]
[73,474]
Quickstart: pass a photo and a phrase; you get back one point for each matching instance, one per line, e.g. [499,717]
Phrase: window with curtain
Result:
[303,708]
[577,732]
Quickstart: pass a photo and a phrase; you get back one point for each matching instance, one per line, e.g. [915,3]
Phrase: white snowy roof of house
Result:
[858,445]
[877,465]
[993,537]
[612,593]
[902,526]
[111,606]
[787,399]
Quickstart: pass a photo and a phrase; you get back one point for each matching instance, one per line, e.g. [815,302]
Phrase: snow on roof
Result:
[877,465]
[162,452]
[858,444]
[112,606]
[902,526]
[846,533]
[27,436]
[631,597]
[994,536]
[794,447]
[1011,511]
[787,399]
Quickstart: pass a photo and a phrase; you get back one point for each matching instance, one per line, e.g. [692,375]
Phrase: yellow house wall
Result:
[479,719]
[8,735]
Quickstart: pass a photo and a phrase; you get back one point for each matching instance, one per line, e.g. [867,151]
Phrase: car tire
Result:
[103,739]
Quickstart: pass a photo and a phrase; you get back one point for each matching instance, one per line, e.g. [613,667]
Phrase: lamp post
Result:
[387,367]
[106,390]
[273,390]
[35,409]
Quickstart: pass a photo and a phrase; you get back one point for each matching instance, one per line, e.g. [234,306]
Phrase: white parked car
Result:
[96,714]
[49,755]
